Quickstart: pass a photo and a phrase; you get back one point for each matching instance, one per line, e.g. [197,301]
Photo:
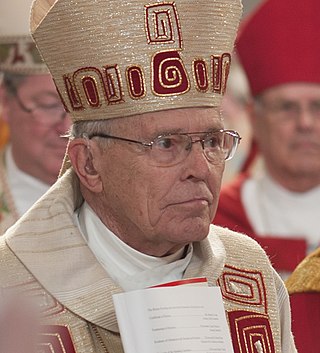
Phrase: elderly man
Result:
[140,184]
[31,107]
[277,205]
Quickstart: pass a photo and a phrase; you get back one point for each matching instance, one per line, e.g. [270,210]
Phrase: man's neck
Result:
[295,183]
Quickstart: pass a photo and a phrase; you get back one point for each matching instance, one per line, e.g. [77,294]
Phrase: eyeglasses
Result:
[171,149]
[45,113]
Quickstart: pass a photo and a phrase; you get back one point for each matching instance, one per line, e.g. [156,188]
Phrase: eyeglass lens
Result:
[172,149]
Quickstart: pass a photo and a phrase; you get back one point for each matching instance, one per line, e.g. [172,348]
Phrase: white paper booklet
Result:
[176,319]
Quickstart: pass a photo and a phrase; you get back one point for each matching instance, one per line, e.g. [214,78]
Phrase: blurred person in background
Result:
[31,108]
[235,114]
[277,203]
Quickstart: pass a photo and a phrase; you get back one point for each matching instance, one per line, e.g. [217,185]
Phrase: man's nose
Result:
[306,118]
[197,164]
[64,123]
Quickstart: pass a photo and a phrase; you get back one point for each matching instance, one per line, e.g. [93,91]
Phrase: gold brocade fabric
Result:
[127,58]
[306,277]
[49,258]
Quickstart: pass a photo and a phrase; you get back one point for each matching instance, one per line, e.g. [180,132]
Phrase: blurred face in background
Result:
[286,125]
[37,120]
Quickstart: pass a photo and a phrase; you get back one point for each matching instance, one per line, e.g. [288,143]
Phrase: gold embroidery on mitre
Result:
[89,84]
[169,75]
[90,87]
[220,65]
[91,90]
[113,84]
[156,47]
[162,24]
[135,74]
[200,74]
[72,92]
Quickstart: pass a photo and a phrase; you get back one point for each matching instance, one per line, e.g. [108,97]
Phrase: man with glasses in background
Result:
[277,203]
[141,179]
[30,105]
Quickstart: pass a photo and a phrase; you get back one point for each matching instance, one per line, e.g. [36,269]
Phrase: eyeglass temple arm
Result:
[120,138]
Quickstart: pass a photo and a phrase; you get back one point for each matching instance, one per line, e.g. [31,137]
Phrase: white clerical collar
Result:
[279,192]
[272,209]
[24,188]
[128,267]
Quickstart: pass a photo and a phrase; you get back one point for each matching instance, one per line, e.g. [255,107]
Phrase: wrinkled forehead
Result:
[169,121]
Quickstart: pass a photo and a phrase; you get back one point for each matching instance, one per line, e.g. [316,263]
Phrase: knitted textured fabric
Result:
[112,59]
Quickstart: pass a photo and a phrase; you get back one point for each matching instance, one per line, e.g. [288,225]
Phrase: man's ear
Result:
[82,160]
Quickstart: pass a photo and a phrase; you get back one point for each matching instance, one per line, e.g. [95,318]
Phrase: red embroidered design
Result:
[91,90]
[89,84]
[169,74]
[243,286]
[220,66]
[93,87]
[56,339]
[73,94]
[162,24]
[113,84]
[251,332]
[200,73]
[136,82]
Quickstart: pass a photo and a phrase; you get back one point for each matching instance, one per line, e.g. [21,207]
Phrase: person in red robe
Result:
[277,203]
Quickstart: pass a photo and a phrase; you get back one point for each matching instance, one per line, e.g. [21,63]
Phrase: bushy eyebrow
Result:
[181,131]
[168,132]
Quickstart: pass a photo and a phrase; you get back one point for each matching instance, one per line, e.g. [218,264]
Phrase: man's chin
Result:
[197,230]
